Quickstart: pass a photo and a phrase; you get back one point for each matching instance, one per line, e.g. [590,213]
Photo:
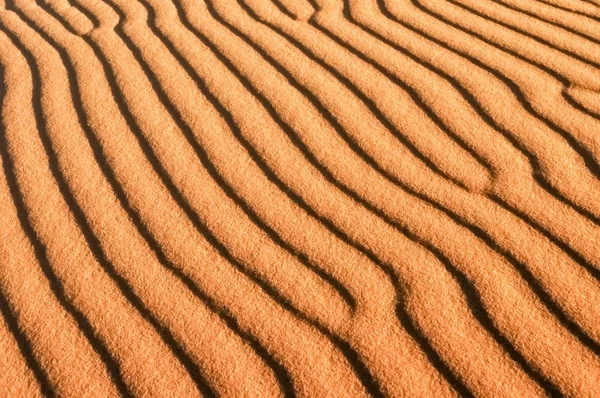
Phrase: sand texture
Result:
[299,198]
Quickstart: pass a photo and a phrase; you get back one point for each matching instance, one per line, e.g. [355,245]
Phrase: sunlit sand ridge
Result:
[312,198]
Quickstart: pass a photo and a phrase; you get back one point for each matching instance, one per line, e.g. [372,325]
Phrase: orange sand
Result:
[256,198]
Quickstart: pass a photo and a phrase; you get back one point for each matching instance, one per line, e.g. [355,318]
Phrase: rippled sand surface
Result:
[311,198]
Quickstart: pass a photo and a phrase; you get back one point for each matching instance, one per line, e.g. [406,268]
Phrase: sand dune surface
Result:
[311,198]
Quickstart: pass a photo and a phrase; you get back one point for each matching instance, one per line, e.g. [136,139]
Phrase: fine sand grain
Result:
[312,198]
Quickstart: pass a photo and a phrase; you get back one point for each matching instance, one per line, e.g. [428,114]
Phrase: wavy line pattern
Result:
[299,198]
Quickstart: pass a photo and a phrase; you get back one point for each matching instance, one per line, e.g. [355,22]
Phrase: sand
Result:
[312,198]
